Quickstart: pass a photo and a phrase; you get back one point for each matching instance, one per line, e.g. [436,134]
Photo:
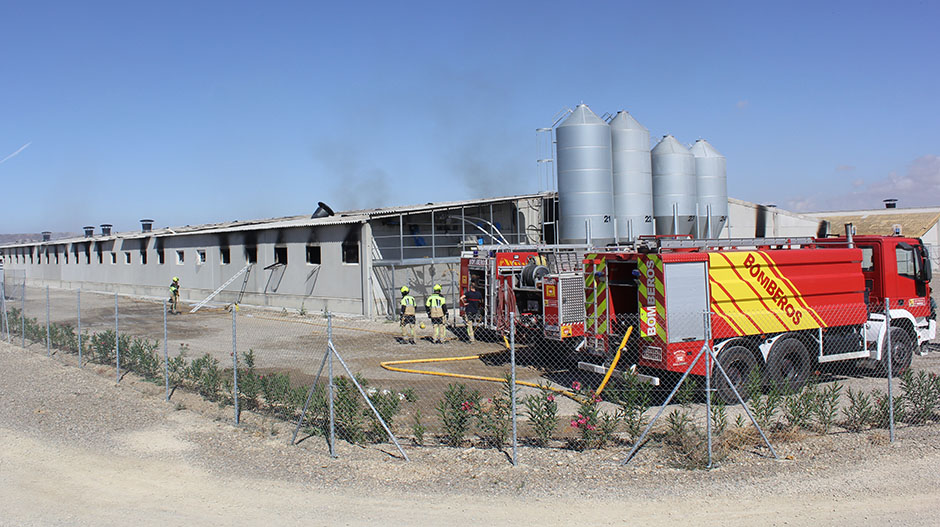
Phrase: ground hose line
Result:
[392,366]
[613,364]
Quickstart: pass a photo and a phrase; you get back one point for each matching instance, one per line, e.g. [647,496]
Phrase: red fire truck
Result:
[781,305]
[514,279]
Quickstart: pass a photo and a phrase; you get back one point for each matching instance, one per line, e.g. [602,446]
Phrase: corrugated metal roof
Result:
[301,221]
[394,211]
[882,222]
[340,218]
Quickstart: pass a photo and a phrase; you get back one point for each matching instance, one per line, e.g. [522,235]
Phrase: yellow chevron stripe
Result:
[661,320]
[724,304]
[797,295]
[748,295]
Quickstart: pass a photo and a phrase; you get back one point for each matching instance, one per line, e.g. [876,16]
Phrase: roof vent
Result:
[146,225]
[106,229]
[46,236]
[323,210]
[89,231]
[891,203]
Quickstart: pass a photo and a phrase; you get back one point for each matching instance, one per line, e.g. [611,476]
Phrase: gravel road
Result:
[81,450]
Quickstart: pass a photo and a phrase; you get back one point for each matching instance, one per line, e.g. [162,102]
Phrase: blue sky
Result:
[196,112]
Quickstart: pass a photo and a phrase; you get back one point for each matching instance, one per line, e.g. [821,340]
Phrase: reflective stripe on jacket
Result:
[408,305]
[436,306]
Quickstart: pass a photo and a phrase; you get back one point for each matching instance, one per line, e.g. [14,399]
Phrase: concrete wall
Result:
[333,284]
[743,220]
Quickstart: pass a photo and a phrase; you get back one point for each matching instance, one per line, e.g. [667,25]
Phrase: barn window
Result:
[313,254]
[280,255]
[351,252]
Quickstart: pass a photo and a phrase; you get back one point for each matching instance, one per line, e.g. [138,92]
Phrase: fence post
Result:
[512,385]
[708,385]
[23,312]
[117,340]
[329,339]
[889,358]
[48,332]
[234,363]
[79,311]
[3,306]
[455,288]
[166,356]
[391,296]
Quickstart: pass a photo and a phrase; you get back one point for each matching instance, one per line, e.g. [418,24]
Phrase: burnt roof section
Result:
[286,222]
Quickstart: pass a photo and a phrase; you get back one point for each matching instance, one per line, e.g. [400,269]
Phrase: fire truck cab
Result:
[779,307]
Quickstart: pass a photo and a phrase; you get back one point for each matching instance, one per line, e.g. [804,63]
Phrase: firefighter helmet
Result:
[404,290]
[437,288]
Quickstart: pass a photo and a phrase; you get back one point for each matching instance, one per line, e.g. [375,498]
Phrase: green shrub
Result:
[860,413]
[826,407]
[388,404]
[542,411]
[417,428]
[206,377]
[882,407]
[249,383]
[921,396]
[719,416]
[456,409]
[350,418]
[798,407]
[596,428]
[494,416]
[634,400]
[101,347]
[277,393]
[765,406]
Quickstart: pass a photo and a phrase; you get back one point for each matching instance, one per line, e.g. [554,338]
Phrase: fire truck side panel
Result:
[598,307]
[652,299]
[775,291]
[563,306]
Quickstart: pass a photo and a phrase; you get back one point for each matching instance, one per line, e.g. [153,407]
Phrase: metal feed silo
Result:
[585,191]
[674,187]
[632,177]
[712,184]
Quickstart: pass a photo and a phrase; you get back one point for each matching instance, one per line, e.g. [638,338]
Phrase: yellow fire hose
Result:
[613,364]
[392,366]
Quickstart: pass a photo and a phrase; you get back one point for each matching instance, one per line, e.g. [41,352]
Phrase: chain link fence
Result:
[695,388]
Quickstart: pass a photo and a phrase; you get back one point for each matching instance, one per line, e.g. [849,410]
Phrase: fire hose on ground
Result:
[393,365]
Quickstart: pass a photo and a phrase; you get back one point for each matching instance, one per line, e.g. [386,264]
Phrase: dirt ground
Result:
[82,450]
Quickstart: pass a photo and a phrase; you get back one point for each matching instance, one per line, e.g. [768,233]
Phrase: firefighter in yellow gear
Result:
[175,296]
[436,308]
[407,316]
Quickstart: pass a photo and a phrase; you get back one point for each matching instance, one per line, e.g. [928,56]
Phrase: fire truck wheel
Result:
[902,352]
[789,364]
[738,362]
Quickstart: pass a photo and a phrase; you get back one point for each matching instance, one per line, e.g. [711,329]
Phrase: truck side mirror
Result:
[925,271]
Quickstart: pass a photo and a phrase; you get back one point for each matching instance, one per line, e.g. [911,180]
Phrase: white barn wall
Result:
[332,285]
